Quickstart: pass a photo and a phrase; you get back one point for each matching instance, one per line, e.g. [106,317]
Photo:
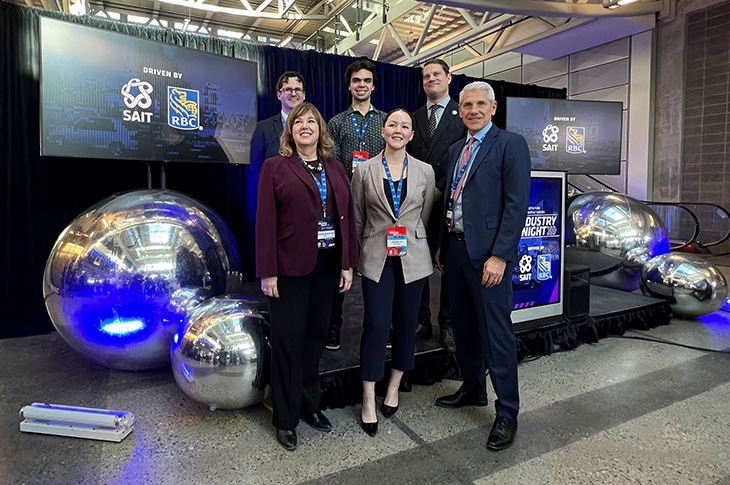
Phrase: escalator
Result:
[691,226]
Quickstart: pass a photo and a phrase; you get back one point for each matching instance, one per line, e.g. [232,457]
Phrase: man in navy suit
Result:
[487,194]
[436,127]
[265,144]
[265,141]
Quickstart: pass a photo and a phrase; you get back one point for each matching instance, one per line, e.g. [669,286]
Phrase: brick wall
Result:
[706,132]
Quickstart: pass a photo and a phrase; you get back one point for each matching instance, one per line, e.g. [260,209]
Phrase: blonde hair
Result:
[287,147]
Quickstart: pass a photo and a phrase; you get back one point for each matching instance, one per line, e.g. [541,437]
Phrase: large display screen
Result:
[109,95]
[537,275]
[572,136]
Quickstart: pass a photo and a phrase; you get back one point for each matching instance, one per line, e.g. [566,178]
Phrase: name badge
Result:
[358,158]
[396,241]
[449,213]
[325,233]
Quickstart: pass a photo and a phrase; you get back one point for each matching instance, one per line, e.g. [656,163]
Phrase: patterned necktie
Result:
[432,120]
[464,159]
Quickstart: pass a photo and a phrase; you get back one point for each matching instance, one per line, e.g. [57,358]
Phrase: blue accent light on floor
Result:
[726,306]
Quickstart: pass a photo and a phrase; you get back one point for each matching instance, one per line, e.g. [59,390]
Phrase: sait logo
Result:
[182,108]
[575,141]
[543,267]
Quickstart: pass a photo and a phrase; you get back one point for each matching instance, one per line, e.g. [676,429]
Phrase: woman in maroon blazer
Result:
[306,248]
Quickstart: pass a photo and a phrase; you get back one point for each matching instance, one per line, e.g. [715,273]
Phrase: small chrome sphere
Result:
[123,275]
[217,356]
[614,235]
[693,286]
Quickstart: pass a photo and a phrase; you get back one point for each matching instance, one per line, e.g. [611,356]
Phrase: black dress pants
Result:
[390,302]
[299,326]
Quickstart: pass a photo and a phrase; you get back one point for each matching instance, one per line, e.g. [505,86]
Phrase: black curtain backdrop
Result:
[40,196]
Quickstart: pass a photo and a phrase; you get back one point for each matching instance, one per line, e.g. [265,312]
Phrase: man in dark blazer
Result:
[265,140]
[265,144]
[436,127]
[487,194]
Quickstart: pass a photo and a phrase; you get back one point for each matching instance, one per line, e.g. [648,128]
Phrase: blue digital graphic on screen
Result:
[109,95]
[536,274]
[567,135]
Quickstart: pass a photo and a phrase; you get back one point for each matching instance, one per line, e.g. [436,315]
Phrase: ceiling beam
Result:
[243,12]
[467,16]
[507,47]
[426,27]
[539,8]
[381,41]
[397,10]
[438,47]
[472,50]
[399,41]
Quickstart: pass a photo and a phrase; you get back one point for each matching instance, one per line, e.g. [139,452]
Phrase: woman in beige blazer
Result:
[393,197]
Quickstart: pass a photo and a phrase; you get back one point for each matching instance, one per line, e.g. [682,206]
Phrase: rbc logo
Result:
[543,267]
[182,108]
[575,141]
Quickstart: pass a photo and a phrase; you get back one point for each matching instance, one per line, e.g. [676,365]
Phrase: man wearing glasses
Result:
[265,141]
[265,144]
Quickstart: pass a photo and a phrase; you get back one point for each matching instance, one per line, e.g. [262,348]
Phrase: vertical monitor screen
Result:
[537,274]
[571,136]
[110,95]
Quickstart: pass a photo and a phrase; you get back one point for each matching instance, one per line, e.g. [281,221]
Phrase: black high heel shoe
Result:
[369,428]
[388,411]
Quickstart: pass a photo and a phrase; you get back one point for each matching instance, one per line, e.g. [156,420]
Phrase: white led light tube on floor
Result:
[101,424]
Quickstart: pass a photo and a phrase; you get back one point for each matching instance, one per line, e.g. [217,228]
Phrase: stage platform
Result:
[612,312]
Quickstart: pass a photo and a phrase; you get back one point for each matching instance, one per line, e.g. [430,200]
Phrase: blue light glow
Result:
[121,327]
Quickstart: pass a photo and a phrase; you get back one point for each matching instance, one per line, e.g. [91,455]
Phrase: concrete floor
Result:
[617,412]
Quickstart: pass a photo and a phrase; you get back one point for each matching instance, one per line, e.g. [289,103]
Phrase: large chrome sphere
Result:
[217,356]
[123,275]
[693,286]
[614,235]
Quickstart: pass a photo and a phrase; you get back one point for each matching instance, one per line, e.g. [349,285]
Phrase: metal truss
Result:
[405,32]
[505,25]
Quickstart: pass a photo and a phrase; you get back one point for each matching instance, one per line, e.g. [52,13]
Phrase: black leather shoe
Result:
[333,341]
[318,421]
[462,398]
[388,411]
[424,331]
[447,340]
[287,439]
[369,428]
[503,434]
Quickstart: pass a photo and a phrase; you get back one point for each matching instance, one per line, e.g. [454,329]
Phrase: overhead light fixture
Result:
[286,41]
[77,422]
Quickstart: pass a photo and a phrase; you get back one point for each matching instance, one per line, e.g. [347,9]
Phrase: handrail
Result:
[696,231]
[690,207]
[716,207]
[592,178]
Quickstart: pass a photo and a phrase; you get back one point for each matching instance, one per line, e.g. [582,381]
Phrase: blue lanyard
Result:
[321,185]
[393,193]
[361,132]
[474,148]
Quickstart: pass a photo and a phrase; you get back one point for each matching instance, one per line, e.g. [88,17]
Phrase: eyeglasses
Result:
[290,91]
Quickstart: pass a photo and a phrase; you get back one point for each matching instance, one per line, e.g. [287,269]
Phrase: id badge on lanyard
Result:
[358,158]
[397,243]
[449,212]
[325,233]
